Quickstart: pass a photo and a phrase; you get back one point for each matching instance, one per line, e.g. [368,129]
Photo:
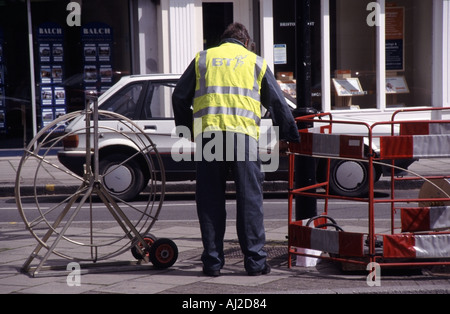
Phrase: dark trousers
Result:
[245,167]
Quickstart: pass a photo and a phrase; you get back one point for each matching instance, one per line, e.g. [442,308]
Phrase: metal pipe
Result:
[32,72]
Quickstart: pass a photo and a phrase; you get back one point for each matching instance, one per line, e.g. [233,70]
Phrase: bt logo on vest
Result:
[218,62]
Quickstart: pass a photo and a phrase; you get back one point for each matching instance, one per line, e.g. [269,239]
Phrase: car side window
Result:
[159,101]
[125,101]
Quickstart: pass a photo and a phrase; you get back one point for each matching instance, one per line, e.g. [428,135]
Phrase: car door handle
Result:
[150,127]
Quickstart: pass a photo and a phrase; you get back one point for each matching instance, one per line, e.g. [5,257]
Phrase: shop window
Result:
[286,56]
[93,55]
[353,56]
[15,100]
[69,60]
[407,49]
[409,52]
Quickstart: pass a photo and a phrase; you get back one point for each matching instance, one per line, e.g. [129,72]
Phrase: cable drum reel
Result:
[54,220]
[435,188]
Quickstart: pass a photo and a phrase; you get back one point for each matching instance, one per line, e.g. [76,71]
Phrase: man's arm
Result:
[273,100]
[183,96]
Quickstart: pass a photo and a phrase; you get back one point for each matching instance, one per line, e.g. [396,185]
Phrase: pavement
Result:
[123,275]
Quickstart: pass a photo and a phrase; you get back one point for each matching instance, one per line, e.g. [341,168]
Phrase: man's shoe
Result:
[211,273]
[264,271]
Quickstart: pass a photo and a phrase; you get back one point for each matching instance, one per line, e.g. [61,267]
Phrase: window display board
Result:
[396,85]
[289,87]
[50,45]
[2,85]
[97,40]
[348,87]
[287,83]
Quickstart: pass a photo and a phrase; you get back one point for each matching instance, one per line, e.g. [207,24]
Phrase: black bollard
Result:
[305,175]
[305,166]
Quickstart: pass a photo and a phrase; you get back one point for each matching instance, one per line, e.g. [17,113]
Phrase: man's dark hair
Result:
[236,31]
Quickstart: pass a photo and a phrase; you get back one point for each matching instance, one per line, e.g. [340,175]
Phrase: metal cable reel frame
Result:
[58,222]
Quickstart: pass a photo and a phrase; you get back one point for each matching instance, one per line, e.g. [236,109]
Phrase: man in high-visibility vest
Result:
[219,99]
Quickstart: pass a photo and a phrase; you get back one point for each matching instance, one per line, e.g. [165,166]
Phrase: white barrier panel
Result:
[329,145]
[416,246]
[414,146]
[425,218]
[335,242]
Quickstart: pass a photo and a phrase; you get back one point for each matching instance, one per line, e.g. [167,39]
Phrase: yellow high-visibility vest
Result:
[227,92]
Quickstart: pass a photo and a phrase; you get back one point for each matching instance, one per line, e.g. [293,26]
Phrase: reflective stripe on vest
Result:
[228,110]
[215,69]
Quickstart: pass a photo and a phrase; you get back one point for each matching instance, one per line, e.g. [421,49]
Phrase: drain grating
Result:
[272,251]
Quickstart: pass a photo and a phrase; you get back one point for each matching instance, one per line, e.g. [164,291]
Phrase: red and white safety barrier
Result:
[416,139]
[416,246]
[332,145]
[334,242]
[414,146]
[425,218]
[424,128]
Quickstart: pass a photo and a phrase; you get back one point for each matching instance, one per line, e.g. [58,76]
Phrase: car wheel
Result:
[349,178]
[122,180]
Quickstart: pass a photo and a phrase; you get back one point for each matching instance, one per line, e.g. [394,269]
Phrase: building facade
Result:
[369,56]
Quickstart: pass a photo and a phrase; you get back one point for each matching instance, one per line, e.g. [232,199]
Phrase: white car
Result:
[146,100]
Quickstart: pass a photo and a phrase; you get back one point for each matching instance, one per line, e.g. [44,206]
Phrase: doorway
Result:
[216,17]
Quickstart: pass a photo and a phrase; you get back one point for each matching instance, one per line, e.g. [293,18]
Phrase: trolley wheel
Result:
[149,239]
[163,253]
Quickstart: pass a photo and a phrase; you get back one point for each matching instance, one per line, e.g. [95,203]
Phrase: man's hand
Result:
[283,148]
